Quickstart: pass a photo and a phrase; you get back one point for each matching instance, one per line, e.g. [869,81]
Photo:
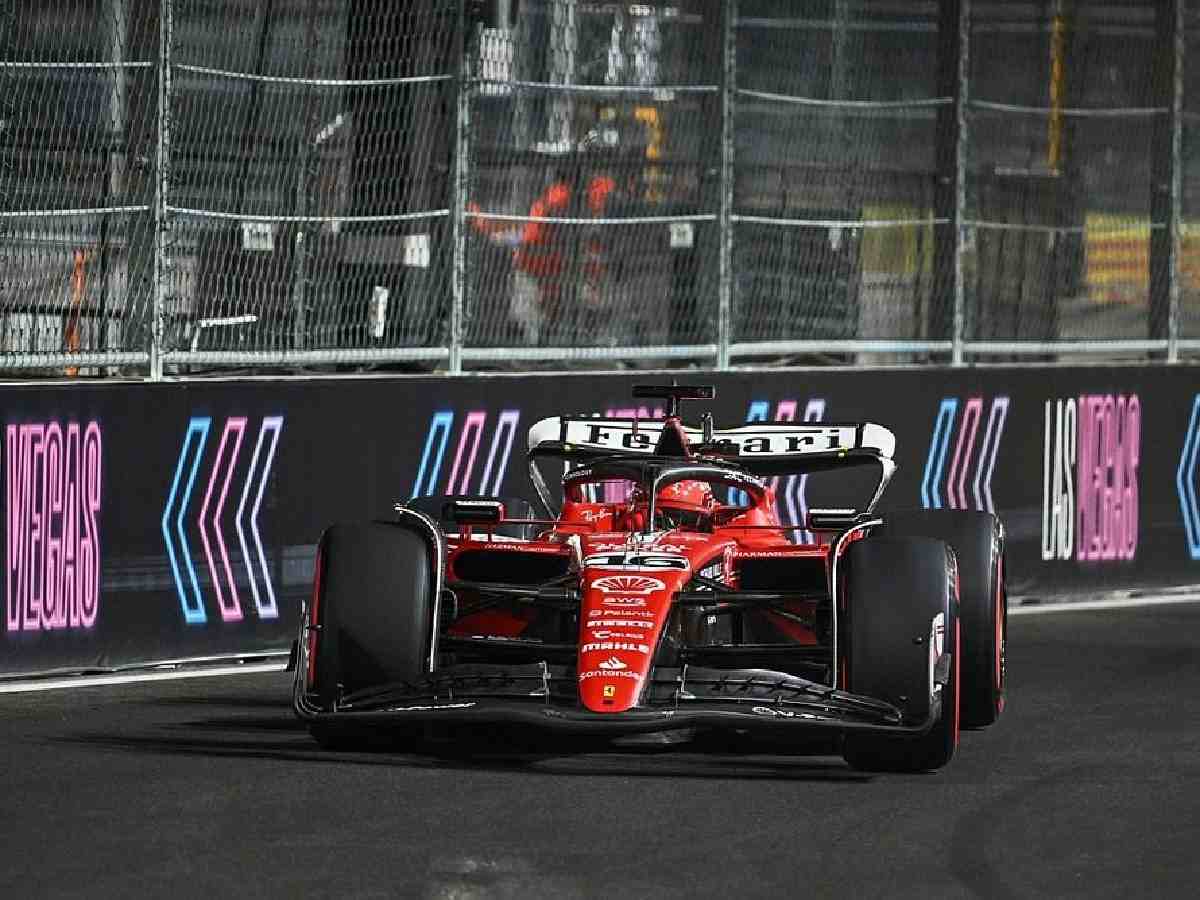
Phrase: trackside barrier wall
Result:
[146,522]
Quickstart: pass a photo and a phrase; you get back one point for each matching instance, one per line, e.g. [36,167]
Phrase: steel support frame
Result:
[1177,224]
[162,170]
[458,196]
[1166,182]
[725,261]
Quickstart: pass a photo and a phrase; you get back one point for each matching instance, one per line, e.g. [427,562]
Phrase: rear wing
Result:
[761,448]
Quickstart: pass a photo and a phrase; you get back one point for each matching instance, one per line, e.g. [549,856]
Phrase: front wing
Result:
[541,696]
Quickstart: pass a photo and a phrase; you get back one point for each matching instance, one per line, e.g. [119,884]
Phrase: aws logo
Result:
[469,436]
[947,475]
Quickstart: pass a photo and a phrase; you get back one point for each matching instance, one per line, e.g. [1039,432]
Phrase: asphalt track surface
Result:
[1088,787]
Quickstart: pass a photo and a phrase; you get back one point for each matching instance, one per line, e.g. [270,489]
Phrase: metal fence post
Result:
[725,222]
[458,196]
[1176,185]
[161,170]
[960,180]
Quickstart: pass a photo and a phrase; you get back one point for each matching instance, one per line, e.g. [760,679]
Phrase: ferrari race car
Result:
[663,595]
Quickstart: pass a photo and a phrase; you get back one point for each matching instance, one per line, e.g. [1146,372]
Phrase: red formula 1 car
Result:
[664,595]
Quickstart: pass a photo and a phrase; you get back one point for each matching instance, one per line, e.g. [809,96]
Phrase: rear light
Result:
[313,630]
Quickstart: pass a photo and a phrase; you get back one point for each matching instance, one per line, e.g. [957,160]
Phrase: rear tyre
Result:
[901,619]
[978,542]
[374,606]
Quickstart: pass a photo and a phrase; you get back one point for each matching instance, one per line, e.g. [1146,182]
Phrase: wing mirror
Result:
[831,519]
[487,513]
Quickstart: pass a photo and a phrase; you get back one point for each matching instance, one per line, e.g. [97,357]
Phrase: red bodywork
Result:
[629,577]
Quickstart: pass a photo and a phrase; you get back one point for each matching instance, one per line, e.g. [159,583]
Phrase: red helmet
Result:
[693,495]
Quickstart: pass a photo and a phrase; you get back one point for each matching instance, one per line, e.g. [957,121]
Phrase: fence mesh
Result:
[1061,163]
[77,148]
[1189,281]
[605,119]
[835,172]
[309,177]
[591,178]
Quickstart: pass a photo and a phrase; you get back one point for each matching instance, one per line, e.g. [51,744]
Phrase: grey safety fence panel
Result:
[592,131]
[290,183]
[77,157]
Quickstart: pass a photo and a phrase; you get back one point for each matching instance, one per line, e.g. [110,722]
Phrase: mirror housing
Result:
[831,519]
[475,512]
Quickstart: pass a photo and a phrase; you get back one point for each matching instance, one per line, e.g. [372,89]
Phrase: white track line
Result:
[52,684]
[1033,609]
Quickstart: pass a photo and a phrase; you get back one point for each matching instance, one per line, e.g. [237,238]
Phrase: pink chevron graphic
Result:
[961,461]
[473,432]
[987,454]
[231,607]
[506,430]
[264,602]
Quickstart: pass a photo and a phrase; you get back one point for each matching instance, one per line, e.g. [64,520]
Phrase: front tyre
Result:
[374,606]
[903,646]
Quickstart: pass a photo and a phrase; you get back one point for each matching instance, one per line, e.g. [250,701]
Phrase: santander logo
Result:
[612,663]
[628,584]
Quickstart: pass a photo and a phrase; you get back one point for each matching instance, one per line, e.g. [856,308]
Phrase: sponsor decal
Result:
[715,570]
[620,623]
[54,478]
[613,664]
[937,643]
[780,713]
[614,645]
[628,584]
[606,673]
[624,613]
[669,548]
[637,562]
[606,635]
[1091,453]
[952,479]
[750,442]
[466,453]
[516,546]
[221,470]
[609,690]
[624,601]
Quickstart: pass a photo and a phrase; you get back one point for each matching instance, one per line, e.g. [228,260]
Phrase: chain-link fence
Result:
[486,183]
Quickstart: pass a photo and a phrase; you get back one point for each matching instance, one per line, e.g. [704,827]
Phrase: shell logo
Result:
[628,584]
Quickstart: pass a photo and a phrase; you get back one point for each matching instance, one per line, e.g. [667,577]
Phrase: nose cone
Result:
[621,619]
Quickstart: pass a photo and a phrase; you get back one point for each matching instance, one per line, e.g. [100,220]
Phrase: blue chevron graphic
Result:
[426,482]
[1185,482]
[193,612]
[937,451]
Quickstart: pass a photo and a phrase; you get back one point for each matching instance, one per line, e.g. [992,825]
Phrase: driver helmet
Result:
[691,495]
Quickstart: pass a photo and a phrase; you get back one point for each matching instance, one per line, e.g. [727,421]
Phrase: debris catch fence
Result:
[228,184]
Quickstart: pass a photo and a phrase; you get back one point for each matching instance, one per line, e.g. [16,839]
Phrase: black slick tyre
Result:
[374,604]
[901,621]
[978,542]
